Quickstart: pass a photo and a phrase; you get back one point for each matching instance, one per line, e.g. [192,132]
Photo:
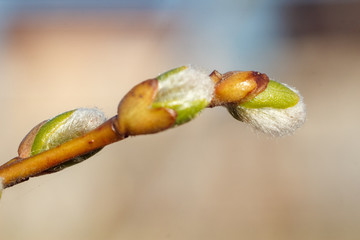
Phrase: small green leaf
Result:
[276,95]
[42,140]
[167,74]
[184,113]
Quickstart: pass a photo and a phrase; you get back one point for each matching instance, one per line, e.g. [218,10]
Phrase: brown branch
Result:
[19,169]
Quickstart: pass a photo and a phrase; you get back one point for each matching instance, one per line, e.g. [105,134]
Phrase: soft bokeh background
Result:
[212,178]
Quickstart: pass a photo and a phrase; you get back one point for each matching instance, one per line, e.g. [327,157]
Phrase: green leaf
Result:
[167,74]
[276,95]
[184,113]
[47,131]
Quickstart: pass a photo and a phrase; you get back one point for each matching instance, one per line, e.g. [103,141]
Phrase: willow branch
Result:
[154,105]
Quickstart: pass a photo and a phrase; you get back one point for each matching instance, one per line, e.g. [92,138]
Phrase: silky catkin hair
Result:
[275,122]
[186,86]
[81,121]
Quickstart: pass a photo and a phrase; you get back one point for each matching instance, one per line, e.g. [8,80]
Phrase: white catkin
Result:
[81,121]
[185,87]
[273,121]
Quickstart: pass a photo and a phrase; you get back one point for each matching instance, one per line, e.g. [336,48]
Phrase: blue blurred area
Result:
[224,34]
[68,4]
[237,31]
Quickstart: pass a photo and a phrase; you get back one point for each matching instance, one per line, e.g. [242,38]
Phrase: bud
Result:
[60,129]
[237,86]
[278,111]
[186,90]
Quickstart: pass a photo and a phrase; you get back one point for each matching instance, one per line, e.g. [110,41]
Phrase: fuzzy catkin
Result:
[186,87]
[186,90]
[64,128]
[275,122]
[81,121]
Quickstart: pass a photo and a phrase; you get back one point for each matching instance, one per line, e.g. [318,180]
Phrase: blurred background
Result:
[214,178]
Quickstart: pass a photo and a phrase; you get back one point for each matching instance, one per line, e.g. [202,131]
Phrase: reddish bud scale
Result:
[237,86]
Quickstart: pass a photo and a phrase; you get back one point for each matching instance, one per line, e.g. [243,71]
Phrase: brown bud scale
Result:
[237,87]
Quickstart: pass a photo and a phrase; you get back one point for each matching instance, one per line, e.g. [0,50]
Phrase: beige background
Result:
[210,179]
